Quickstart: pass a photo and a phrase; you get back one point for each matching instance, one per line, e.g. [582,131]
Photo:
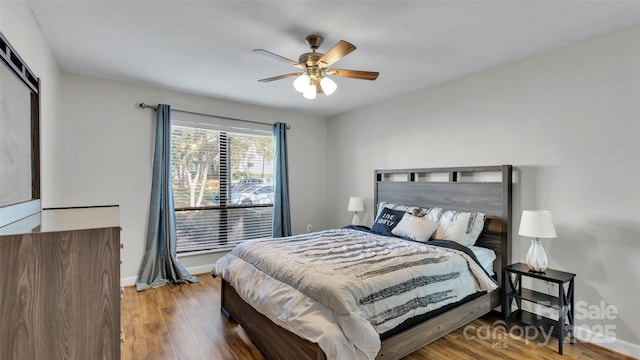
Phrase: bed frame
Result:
[485,189]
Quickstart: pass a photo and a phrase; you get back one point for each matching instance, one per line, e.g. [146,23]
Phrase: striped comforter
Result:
[342,288]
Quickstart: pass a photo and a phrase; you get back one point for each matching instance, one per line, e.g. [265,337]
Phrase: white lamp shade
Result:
[537,224]
[301,83]
[328,85]
[310,92]
[355,204]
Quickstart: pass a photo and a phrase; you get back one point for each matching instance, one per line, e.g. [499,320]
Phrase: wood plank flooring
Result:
[184,322]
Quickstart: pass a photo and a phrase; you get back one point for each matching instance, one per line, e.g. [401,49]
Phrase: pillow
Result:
[433,214]
[485,257]
[405,208]
[429,213]
[414,228]
[461,227]
[386,221]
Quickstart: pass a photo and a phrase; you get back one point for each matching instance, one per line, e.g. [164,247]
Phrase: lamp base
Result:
[536,272]
[536,257]
[355,220]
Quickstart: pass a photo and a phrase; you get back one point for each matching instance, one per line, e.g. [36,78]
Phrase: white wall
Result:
[23,32]
[569,120]
[105,143]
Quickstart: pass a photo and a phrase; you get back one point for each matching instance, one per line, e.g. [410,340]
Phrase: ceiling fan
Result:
[314,77]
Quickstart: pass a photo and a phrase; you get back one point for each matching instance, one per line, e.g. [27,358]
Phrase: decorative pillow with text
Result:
[386,221]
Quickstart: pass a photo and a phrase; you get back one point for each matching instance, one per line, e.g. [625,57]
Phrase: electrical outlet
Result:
[309,228]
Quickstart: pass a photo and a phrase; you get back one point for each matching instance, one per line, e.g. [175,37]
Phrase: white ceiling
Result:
[205,47]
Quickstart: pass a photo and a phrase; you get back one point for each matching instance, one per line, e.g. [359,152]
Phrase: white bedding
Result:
[342,288]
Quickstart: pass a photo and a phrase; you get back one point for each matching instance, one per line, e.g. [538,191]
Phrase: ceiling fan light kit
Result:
[314,78]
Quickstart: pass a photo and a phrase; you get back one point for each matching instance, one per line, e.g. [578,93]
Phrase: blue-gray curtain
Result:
[281,210]
[160,265]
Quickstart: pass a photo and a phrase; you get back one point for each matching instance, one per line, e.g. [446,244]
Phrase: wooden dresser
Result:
[60,285]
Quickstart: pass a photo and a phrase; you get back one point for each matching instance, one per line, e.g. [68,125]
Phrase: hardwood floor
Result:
[184,322]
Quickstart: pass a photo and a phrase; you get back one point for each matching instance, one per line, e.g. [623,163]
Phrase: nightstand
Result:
[563,301]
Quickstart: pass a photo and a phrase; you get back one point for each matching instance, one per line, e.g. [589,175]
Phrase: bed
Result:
[485,189]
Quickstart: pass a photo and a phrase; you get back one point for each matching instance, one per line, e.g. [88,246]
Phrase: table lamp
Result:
[537,224]
[356,204]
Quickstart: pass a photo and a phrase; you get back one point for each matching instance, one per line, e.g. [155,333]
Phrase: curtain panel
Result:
[281,210]
[159,265]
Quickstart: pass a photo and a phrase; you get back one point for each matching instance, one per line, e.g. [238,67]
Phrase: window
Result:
[222,177]
[19,137]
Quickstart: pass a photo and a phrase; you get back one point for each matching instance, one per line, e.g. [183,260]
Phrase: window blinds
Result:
[221,175]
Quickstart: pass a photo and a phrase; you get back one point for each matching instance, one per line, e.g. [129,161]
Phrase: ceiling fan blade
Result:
[337,52]
[318,88]
[278,57]
[354,74]
[280,77]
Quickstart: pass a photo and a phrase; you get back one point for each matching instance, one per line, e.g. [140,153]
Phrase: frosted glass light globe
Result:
[310,92]
[301,83]
[328,85]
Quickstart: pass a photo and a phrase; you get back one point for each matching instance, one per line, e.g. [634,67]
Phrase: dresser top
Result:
[65,219]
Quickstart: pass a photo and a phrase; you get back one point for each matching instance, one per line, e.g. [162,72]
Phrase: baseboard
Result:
[194,270]
[585,334]
[202,269]
[128,281]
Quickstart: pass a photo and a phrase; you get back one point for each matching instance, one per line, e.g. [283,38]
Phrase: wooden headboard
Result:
[484,189]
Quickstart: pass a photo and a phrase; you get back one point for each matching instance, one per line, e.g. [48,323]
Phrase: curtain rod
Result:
[145,106]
